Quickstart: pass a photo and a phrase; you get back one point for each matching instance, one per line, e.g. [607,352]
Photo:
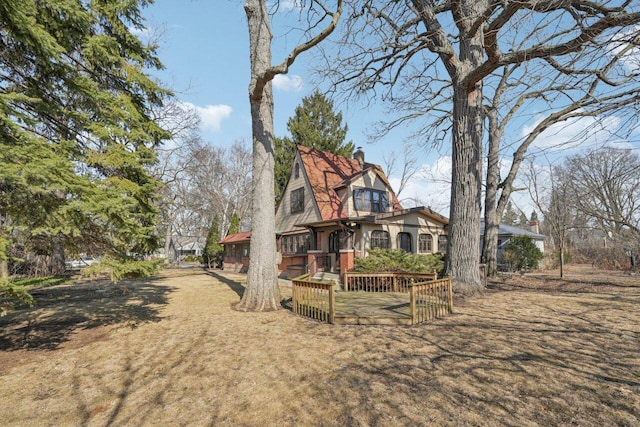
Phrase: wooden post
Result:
[294,291]
[331,304]
[412,304]
[450,296]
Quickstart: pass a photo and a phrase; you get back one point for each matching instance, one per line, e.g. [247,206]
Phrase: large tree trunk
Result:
[463,252]
[491,215]
[262,292]
[56,262]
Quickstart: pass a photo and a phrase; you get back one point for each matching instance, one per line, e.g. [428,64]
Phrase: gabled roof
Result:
[426,211]
[510,230]
[245,236]
[328,172]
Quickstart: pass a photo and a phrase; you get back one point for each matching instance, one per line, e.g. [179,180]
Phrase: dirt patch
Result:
[533,350]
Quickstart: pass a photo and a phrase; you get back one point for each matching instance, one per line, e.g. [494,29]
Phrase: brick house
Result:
[334,208]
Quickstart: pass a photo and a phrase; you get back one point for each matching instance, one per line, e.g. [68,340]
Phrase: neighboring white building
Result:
[506,232]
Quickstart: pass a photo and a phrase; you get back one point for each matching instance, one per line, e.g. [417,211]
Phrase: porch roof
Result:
[245,236]
[378,218]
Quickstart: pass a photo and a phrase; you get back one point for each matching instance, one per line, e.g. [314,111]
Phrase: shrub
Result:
[117,269]
[398,261]
[522,253]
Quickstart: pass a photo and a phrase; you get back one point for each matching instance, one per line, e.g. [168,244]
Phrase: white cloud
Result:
[211,116]
[583,132]
[629,56]
[287,84]
[430,187]
[285,5]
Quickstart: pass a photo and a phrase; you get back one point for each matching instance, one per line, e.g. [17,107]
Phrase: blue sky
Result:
[204,47]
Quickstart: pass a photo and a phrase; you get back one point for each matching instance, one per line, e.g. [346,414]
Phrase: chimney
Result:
[359,156]
[535,227]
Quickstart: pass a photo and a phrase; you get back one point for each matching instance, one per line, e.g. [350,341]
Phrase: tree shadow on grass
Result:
[234,285]
[59,311]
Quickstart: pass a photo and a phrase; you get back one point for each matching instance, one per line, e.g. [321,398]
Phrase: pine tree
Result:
[212,247]
[510,216]
[523,222]
[234,226]
[76,134]
[315,125]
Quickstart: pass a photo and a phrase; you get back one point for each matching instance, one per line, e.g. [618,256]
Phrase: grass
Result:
[40,282]
[534,350]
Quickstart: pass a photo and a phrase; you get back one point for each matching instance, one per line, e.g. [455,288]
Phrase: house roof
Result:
[186,243]
[419,209]
[245,236]
[327,172]
[510,230]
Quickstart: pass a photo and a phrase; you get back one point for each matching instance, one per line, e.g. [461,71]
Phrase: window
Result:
[442,243]
[366,199]
[379,239]
[296,169]
[425,243]
[296,244]
[404,242]
[297,200]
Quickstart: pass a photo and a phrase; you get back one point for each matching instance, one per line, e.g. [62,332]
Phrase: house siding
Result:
[285,220]
[369,180]
[413,223]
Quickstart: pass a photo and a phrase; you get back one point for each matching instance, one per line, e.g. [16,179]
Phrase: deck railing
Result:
[384,282]
[429,300]
[313,298]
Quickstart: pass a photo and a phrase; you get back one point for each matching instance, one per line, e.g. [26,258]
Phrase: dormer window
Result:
[366,199]
[296,171]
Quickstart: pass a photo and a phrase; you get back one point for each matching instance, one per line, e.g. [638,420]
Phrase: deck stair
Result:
[325,276]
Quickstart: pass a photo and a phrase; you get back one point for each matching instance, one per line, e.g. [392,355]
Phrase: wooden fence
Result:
[313,298]
[429,300]
[384,282]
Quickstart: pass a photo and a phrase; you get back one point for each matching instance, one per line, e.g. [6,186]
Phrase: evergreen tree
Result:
[76,134]
[522,253]
[212,248]
[510,216]
[315,125]
[234,226]
[523,222]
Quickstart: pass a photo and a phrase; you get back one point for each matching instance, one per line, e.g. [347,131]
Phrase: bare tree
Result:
[549,191]
[604,185]
[262,292]
[572,93]
[433,60]
[409,165]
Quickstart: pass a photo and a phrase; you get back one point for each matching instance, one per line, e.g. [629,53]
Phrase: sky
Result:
[204,47]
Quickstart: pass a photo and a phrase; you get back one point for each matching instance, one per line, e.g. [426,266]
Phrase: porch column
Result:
[347,261]
[312,261]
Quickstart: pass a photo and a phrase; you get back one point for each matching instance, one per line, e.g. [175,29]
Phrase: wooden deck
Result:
[366,308]
[421,302]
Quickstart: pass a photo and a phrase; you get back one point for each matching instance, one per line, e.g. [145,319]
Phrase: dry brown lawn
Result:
[533,350]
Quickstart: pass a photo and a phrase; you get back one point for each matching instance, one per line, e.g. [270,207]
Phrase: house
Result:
[236,251]
[334,209]
[183,246]
[506,232]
